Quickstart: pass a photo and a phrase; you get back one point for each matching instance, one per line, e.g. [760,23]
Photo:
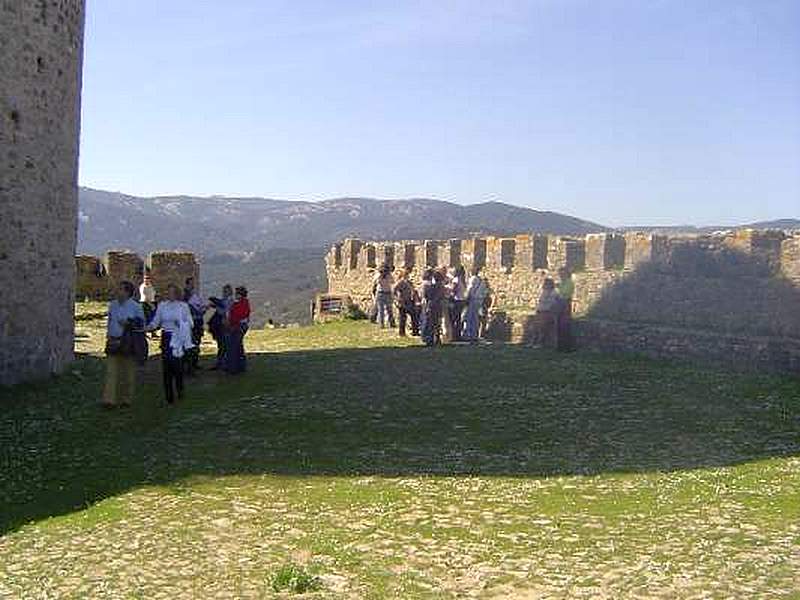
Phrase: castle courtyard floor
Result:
[348,464]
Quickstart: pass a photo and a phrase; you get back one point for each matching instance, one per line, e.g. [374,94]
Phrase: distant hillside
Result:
[784,224]
[210,226]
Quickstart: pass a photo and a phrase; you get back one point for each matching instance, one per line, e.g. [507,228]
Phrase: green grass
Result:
[380,469]
[294,578]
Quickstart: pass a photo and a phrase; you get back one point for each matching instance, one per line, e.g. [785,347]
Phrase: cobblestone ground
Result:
[389,472]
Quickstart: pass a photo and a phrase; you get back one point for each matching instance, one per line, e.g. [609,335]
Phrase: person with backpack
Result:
[197,309]
[125,315]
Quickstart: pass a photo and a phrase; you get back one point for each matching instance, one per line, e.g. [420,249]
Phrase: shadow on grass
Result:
[467,411]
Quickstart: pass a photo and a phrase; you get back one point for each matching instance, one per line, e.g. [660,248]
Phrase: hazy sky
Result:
[623,112]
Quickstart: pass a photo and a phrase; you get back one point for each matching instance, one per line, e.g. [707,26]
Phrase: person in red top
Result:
[237,325]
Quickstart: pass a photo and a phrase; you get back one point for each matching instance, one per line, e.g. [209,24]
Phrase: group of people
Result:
[448,307]
[445,307]
[181,318]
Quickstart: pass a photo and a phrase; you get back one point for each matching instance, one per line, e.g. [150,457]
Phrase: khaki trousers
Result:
[120,379]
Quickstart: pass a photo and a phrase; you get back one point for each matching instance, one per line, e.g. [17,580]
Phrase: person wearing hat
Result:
[237,324]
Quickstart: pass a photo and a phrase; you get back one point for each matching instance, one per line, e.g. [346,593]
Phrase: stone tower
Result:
[41,52]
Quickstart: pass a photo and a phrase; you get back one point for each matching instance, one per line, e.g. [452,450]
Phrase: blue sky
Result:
[643,111]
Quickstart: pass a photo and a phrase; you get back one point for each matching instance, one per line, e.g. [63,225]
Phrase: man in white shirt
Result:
[147,297]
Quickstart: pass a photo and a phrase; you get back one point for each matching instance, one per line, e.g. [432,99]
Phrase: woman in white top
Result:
[175,319]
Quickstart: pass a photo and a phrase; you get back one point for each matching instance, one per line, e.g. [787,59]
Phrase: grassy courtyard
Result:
[348,464]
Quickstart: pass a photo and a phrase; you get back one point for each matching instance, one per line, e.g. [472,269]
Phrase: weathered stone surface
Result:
[122,265]
[643,248]
[91,278]
[41,50]
[605,251]
[790,259]
[697,286]
[172,267]
[98,279]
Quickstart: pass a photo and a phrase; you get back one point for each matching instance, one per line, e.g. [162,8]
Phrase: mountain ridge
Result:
[212,224]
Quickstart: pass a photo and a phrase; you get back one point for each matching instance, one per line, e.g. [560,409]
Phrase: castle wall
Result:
[718,289]
[91,278]
[172,267]
[98,279]
[41,49]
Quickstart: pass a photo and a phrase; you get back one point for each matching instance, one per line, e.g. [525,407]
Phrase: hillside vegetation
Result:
[209,226]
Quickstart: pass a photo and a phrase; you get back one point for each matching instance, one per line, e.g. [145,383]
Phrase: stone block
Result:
[763,245]
[123,265]
[565,255]
[641,248]
[431,248]
[508,251]
[605,251]
[790,259]
[409,255]
[91,278]
[352,248]
[168,268]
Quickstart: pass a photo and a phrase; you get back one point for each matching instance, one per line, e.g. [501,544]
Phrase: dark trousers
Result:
[432,324]
[236,357]
[192,357]
[406,313]
[223,340]
[172,370]
[456,313]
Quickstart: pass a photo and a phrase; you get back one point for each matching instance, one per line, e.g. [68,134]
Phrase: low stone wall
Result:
[720,289]
[97,279]
[736,351]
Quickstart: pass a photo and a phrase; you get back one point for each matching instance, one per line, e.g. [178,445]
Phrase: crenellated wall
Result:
[720,289]
[97,278]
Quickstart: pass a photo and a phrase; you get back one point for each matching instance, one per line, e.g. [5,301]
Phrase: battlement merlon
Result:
[557,253]
[98,278]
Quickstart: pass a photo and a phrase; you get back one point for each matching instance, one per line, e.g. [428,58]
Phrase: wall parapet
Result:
[97,278]
[737,284]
